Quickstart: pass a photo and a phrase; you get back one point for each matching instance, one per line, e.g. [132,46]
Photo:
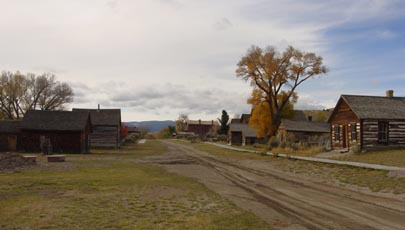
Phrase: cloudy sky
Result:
[156,59]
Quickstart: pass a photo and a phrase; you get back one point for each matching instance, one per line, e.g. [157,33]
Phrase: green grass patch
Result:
[108,189]
[385,157]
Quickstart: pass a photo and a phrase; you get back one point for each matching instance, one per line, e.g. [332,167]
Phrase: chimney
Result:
[98,107]
[212,122]
[199,121]
[309,118]
[389,93]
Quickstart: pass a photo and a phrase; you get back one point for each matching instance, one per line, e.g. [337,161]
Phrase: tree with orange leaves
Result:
[275,77]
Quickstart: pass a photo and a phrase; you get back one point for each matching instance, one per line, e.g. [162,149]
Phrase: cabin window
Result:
[383,131]
[353,132]
[337,133]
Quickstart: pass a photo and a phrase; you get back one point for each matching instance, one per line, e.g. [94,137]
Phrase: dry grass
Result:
[375,180]
[110,190]
[386,157]
[307,152]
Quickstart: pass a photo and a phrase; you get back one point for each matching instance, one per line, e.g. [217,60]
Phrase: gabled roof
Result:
[246,130]
[9,126]
[244,118]
[374,107]
[305,126]
[104,116]
[299,115]
[235,121]
[55,120]
[199,122]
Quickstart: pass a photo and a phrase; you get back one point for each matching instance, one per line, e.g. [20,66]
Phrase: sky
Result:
[156,59]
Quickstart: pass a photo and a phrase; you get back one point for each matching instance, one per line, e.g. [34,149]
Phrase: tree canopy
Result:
[223,121]
[275,77]
[19,93]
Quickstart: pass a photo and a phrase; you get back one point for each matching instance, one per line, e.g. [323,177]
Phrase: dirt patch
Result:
[283,199]
[12,162]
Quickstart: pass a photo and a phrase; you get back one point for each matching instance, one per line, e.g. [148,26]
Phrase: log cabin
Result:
[303,131]
[369,122]
[9,133]
[106,125]
[64,131]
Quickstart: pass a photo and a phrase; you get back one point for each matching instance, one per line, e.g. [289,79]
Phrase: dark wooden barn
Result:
[201,128]
[106,124]
[370,122]
[66,131]
[9,133]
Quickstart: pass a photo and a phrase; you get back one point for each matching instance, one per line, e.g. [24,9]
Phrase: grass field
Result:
[108,189]
[386,157]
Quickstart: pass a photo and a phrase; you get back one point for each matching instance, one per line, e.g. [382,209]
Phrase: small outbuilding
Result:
[9,132]
[106,125]
[369,122]
[303,131]
[63,131]
[241,134]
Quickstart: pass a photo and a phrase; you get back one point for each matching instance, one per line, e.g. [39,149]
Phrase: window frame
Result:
[353,132]
[337,133]
[383,131]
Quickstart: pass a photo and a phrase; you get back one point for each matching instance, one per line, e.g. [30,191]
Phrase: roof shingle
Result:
[104,116]
[55,120]
[374,107]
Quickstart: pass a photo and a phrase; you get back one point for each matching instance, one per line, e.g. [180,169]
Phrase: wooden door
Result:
[344,136]
[12,143]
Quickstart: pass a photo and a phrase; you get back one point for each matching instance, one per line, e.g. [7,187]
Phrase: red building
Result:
[201,128]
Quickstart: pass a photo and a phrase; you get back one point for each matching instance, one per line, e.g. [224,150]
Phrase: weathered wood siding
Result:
[105,137]
[396,134]
[344,118]
[236,138]
[61,141]
[200,130]
[8,142]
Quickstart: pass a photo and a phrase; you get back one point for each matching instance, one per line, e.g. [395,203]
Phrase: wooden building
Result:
[106,124]
[65,131]
[303,131]
[370,122]
[240,133]
[201,128]
[9,133]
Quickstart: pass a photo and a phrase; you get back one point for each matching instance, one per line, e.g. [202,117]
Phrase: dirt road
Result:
[282,199]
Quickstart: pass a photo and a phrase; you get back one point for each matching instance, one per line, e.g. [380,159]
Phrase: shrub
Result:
[355,149]
[282,144]
[273,142]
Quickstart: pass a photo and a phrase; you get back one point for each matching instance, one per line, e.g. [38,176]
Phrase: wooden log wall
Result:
[396,134]
[105,137]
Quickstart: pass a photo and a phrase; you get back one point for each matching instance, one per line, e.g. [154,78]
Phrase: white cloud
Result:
[148,44]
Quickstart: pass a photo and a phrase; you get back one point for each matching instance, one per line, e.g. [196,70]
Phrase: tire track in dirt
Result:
[307,205]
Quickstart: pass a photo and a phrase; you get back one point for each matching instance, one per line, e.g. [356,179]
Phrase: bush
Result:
[273,142]
[355,149]
[222,138]
[282,144]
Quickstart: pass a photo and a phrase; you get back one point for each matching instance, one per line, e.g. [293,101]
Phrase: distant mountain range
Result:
[155,126]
